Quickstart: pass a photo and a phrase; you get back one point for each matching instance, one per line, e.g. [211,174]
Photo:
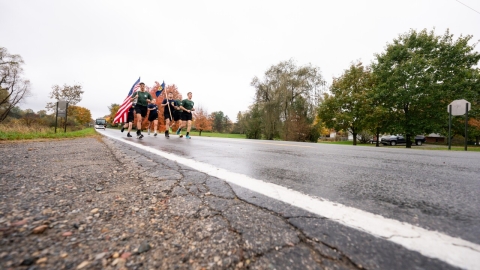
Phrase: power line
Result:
[468,6]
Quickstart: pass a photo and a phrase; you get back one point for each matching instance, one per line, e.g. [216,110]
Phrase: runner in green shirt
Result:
[187,108]
[177,115]
[143,98]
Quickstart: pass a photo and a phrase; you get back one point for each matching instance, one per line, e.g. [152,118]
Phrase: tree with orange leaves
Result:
[202,121]
[80,114]
[475,129]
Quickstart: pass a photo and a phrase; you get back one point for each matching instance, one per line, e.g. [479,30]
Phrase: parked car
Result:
[400,139]
[374,139]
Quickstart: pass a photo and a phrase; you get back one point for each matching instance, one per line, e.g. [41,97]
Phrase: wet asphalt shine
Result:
[434,190]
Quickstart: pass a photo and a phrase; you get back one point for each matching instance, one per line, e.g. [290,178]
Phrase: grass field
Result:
[423,147]
[339,142]
[9,133]
[455,148]
[217,135]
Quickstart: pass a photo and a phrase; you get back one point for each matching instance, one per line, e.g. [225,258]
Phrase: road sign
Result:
[62,108]
[459,106]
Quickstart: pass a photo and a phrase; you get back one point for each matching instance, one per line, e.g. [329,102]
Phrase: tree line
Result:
[405,90]
[14,88]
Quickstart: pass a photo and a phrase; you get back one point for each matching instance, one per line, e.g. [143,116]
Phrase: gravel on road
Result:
[95,203]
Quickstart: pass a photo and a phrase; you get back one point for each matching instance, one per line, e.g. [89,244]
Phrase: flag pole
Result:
[168,105]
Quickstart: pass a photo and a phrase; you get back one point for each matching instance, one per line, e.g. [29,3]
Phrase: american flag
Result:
[121,116]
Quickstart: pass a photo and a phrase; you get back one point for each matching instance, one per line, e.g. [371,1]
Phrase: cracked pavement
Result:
[109,205]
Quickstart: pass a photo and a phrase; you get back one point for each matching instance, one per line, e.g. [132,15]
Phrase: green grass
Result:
[44,134]
[217,135]
[475,148]
[338,142]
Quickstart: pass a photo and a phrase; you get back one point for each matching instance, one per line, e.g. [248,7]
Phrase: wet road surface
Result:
[435,190]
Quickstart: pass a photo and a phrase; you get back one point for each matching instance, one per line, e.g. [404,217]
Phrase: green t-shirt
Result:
[179,103]
[142,97]
[187,104]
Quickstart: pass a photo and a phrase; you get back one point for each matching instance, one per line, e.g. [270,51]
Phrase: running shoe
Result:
[141,136]
[187,137]
[128,135]
[148,132]
[178,131]
[155,134]
[122,129]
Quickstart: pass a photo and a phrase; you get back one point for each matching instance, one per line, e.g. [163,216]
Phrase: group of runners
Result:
[174,111]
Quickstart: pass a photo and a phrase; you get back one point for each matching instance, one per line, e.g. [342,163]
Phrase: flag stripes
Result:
[121,115]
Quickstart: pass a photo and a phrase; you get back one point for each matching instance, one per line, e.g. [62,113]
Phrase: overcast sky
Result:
[211,48]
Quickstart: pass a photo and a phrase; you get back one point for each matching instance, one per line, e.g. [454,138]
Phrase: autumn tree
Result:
[202,121]
[81,115]
[70,93]
[324,131]
[419,74]
[113,108]
[13,87]
[475,129]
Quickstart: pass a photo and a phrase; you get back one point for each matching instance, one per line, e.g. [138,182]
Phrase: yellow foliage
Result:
[81,114]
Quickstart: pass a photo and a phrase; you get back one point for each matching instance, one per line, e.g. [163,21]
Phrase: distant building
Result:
[434,138]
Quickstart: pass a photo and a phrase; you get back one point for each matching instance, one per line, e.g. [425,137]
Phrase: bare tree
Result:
[71,94]
[13,88]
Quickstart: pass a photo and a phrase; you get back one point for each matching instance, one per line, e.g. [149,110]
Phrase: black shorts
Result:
[142,110]
[152,117]
[167,116]
[186,116]
[177,115]
[130,117]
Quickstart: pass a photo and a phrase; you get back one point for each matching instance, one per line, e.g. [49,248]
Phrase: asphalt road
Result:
[435,190]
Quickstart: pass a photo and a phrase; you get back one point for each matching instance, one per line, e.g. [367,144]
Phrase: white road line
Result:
[433,244]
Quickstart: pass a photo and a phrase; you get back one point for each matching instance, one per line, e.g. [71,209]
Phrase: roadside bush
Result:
[17,125]
[364,136]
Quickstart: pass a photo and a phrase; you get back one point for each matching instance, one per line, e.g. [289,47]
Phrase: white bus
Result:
[100,123]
